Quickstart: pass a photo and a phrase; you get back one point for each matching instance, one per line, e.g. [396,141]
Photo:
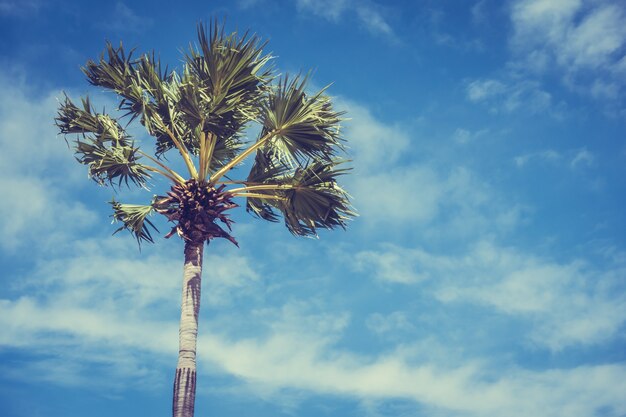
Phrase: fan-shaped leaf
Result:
[306,126]
[134,218]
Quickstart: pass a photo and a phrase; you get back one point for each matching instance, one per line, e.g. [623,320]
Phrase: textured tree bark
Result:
[185,380]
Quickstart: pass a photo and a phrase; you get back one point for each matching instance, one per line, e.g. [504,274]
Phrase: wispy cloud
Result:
[465,136]
[574,158]
[393,264]
[368,13]
[572,303]
[423,194]
[20,8]
[575,36]
[568,33]
[389,324]
[299,353]
[546,155]
[27,137]
[562,303]
[114,310]
[125,19]
[580,43]
[504,97]
[582,158]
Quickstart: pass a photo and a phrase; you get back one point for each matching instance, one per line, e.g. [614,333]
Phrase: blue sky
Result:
[485,276]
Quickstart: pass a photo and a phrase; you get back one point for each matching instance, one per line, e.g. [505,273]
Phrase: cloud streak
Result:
[366,12]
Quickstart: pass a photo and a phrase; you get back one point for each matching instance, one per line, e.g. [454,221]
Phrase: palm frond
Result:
[116,73]
[231,76]
[72,119]
[134,218]
[115,162]
[264,171]
[306,126]
[147,92]
[223,82]
[316,201]
[105,147]
[312,199]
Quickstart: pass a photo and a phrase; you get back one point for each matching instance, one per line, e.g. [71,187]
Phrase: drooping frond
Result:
[264,171]
[134,218]
[147,92]
[115,72]
[72,119]
[311,198]
[316,201]
[105,147]
[306,126]
[115,162]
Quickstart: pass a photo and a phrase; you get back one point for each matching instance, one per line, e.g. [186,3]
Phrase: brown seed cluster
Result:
[195,207]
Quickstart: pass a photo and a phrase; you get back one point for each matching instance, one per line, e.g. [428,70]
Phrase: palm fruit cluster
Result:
[195,207]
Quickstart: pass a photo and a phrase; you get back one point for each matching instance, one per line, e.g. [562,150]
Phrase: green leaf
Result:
[116,73]
[72,119]
[312,199]
[116,162]
[134,218]
[264,171]
[307,126]
[223,83]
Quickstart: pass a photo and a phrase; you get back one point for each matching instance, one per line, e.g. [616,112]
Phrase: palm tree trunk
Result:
[185,380]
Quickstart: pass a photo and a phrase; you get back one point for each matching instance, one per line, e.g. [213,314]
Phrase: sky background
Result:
[485,276]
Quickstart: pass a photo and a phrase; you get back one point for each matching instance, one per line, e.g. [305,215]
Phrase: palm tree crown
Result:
[202,113]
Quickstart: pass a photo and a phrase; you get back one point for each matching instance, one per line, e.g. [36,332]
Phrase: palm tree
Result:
[201,114]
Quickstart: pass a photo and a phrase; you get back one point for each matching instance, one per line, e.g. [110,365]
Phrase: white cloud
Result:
[545,155]
[575,158]
[37,213]
[372,144]
[582,157]
[299,354]
[389,193]
[389,324]
[464,136]
[506,98]
[419,191]
[374,21]
[480,90]
[21,8]
[478,12]
[581,42]
[33,160]
[393,264]
[126,19]
[575,36]
[398,196]
[568,303]
[328,9]
[368,13]
[563,303]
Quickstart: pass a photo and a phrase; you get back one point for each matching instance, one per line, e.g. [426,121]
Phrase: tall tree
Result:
[201,115]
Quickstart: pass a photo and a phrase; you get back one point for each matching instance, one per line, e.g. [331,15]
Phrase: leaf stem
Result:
[165,174]
[181,148]
[261,196]
[271,187]
[207,145]
[173,175]
[220,173]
